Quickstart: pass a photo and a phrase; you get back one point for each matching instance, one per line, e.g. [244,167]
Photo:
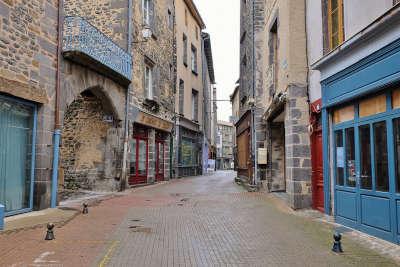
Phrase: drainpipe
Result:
[57,124]
[126,134]
[253,108]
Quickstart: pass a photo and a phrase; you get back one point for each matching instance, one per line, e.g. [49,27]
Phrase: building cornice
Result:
[195,13]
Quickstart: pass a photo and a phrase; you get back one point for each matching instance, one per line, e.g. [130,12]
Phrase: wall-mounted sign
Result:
[262,156]
[340,157]
[154,122]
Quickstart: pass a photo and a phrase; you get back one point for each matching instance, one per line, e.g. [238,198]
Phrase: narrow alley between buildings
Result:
[204,221]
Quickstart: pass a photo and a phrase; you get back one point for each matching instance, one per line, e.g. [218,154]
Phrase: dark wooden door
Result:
[160,152]
[317,168]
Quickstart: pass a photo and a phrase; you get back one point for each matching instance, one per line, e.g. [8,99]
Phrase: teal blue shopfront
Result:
[17,150]
[361,136]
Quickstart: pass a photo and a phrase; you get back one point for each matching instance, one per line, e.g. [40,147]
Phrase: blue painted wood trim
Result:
[34,133]
[33,160]
[326,163]
[2,208]
[375,72]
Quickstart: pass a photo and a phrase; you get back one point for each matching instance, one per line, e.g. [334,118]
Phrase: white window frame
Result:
[148,82]
[146,11]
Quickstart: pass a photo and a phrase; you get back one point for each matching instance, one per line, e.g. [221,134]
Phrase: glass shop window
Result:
[396,136]
[381,157]
[365,157]
[396,99]
[343,114]
[350,158]
[339,158]
[372,106]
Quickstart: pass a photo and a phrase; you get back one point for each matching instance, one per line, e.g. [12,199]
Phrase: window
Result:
[381,157]
[244,60]
[181,96]
[396,136]
[170,20]
[188,152]
[273,48]
[186,17]
[365,157]
[148,12]
[148,82]
[185,49]
[194,59]
[335,23]
[350,158]
[339,158]
[197,32]
[195,105]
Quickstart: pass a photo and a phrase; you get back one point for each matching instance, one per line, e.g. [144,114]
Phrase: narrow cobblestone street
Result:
[203,221]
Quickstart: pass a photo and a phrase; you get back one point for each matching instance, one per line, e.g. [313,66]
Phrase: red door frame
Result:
[136,178]
[160,176]
[316,159]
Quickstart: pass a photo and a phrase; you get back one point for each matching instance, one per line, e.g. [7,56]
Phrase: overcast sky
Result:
[223,23]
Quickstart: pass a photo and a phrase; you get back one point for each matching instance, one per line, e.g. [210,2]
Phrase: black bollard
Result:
[50,232]
[337,245]
[85,208]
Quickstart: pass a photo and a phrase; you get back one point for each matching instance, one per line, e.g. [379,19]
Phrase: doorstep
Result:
[59,217]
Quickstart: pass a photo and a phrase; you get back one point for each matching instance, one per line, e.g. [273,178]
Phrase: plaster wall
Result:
[192,81]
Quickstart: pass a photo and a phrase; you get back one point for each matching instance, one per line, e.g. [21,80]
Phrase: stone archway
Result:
[91,144]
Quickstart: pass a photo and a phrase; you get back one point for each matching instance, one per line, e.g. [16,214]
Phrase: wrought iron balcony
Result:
[85,44]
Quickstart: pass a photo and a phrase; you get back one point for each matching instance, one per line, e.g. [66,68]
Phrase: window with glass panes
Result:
[335,23]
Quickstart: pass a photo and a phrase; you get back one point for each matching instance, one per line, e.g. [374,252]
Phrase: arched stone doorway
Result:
[91,148]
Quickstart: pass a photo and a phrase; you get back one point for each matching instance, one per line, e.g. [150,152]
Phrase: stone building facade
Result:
[276,71]
[250,127]
[93,97]
[225,145]
[28,54]
[152,95]
[189,137]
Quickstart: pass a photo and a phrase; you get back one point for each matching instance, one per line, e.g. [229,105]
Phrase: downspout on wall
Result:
[253,115]
[57,119]
[123,182]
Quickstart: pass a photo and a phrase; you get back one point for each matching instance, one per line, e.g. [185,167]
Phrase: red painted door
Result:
[317,167]
[139,160]
[160,146]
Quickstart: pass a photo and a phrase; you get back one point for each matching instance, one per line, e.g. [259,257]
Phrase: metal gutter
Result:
[123,182]
[57,120]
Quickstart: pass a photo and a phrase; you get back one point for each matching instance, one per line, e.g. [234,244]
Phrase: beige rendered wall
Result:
[191,80]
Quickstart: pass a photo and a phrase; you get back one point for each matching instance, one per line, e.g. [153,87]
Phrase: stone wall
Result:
[109,16]
[89,150]
[28,39]
[159,50]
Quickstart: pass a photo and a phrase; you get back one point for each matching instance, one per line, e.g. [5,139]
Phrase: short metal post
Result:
[337,244]
[50,232]
[2,209]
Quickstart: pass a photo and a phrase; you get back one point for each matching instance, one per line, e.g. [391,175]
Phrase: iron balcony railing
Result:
[87,45]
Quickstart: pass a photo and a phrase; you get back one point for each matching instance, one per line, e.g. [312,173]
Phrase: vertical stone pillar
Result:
[151,157]
[298,154]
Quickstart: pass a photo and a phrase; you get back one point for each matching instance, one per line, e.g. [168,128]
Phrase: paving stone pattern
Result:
[202,221]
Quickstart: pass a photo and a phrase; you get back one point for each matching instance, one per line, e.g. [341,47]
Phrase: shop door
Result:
[139,161]
[317,169]
[364,180]
[160,152]
[16,155]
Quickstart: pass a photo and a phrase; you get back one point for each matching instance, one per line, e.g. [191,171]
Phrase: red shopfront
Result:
[139,163]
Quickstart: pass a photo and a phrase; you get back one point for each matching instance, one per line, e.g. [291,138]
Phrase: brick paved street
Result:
[203,221]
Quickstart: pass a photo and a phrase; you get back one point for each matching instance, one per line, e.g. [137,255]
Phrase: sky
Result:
[222,20]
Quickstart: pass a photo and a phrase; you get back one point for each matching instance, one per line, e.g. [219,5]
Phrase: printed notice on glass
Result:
[340,157]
